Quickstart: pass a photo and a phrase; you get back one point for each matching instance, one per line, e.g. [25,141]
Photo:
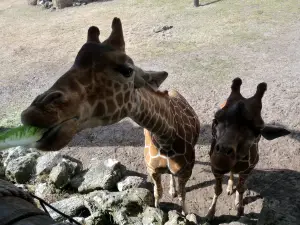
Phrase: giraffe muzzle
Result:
[57,137]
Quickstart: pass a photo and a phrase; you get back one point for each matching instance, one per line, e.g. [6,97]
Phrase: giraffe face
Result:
[98,90]
[238,126]
[235,134]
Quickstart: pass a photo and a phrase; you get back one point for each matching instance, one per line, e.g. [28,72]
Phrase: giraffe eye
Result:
[125,70]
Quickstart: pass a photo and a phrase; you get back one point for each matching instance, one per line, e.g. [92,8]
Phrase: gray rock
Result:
[3,154]
[22,186]
[176,219]
[103,176]
[48,5]
[233,223]
[14,153]
[242,221]
[192,219]
[74,165]
[73,206]
[46,162]
[153,216]
[32,2]
[124,207]
[109,200]
[60,4]
[2,168]
[21,169]
[130,182]
[99,218]
[42,190]
[60,175]
[80,220]
[63,223]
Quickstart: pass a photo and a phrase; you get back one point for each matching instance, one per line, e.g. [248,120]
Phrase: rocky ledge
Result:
[60,4]
[108,194]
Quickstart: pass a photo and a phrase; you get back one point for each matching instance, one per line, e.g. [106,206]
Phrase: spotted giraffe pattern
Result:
[171,132]
[175,154]
[103,87]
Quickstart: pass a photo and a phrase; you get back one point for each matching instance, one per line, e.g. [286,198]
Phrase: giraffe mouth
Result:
[58,136]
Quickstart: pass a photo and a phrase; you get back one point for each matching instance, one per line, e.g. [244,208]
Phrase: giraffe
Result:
[236,129]
[104,86]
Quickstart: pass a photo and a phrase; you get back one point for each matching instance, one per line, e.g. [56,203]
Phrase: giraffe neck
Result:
[153,112]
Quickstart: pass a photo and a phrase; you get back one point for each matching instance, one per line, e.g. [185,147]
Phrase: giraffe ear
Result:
[273,132]
[155,79]
[151,78]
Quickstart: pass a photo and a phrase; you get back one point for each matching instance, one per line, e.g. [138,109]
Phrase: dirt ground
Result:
[206,48]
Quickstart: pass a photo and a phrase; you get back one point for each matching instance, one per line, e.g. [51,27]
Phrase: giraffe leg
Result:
[239,194]
[218,191]
[181,192]
[230,185]
[172,190]
[156,178]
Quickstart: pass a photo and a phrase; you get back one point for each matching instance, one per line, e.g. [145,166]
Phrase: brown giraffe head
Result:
[238,126]
[99,89]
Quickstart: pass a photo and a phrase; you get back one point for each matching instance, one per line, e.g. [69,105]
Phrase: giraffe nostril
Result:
[229,151]
[217,148]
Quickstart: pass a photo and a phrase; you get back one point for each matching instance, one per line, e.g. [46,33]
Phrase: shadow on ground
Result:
[124,133]
[295,134]
[209,3]
[279,189]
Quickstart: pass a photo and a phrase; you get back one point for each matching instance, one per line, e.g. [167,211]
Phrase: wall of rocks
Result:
[104,194]
[58,4]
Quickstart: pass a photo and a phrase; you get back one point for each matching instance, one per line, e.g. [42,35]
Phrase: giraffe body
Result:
[172,131]
[103,87]
[236,129]
[174,154]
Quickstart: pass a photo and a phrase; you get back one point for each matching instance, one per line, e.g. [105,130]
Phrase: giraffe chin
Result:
[222,162]
[58,136]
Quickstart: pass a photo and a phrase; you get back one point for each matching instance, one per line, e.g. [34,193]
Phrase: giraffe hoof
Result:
[210,215]
[156,204]
[229,190]
[240,211]
[173,194]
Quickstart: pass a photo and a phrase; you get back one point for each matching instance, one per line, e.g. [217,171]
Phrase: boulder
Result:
[80,220]
[242,221]
[74,165]
[130,182]
[60,4]
[104,176]
[2,168]
[99,218]
[176,219]
[60,175]
[153,216]
[192,219]
[124,207]
[74,206]
[42,190]
[46,162]
[21,169]
[32,2]
[109,200]
[14,153]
